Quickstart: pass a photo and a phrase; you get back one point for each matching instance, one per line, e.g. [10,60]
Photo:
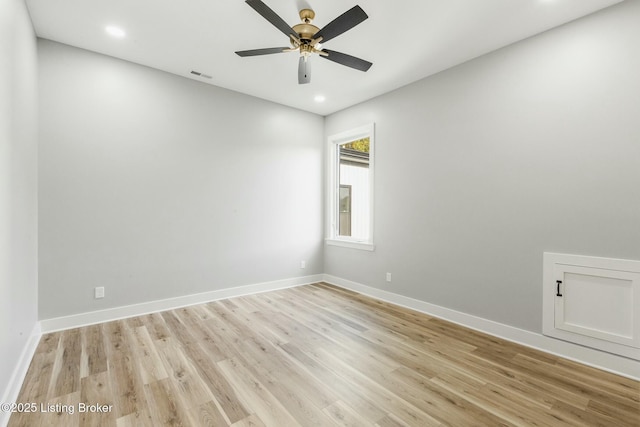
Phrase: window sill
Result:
[350,244]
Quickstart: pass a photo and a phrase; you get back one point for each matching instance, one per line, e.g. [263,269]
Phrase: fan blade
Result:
[348,60]
[272,17]
[256,52]
[341,24]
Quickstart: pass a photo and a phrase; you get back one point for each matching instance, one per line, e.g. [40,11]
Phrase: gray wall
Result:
[18,186]
[481,168]
[155,186]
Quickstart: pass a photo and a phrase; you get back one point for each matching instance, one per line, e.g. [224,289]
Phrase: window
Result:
[350,195]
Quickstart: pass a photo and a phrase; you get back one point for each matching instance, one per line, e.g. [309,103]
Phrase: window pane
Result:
[344,226]
[354,191]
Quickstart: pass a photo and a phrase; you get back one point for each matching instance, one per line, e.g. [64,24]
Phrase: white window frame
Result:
[333,237]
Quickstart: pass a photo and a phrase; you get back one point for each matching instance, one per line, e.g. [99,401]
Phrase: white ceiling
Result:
[405,39]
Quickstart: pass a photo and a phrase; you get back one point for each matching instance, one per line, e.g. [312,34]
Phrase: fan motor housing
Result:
[306,31]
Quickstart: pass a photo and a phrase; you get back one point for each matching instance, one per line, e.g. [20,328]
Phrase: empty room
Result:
[320,213]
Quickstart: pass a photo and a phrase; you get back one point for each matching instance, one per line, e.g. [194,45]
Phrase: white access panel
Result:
[593,301]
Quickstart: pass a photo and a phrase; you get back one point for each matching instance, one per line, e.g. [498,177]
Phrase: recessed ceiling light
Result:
[115,31]
[319,98]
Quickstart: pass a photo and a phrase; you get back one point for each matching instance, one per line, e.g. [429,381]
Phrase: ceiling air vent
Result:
[199,74]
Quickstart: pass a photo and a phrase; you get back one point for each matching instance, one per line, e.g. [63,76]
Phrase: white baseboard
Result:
[598,359]
[20,372]
[91,318]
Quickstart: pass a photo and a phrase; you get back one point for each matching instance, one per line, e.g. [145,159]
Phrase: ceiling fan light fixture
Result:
[304,70]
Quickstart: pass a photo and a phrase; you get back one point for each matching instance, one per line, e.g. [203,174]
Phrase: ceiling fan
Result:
[307,38]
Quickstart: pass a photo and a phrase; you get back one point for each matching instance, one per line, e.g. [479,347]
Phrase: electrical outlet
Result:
[389,277]
[99,292]
[303,264]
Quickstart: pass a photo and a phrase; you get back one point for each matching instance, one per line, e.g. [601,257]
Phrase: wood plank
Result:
[66,379]
[303,396]
[59,411]
[126,385]
[49,342]
[117,338]
[36,384]
[94,349]
[255,395]
[97,401]
[343,389]
[168,407]
[211,414]
[146,355]
[391,420]
[251,421]
[183,374]
[343,415]
[385,398]
[207,370]
[156,326]
[136,419]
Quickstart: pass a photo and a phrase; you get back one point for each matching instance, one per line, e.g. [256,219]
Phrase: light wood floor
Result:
[312,356]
